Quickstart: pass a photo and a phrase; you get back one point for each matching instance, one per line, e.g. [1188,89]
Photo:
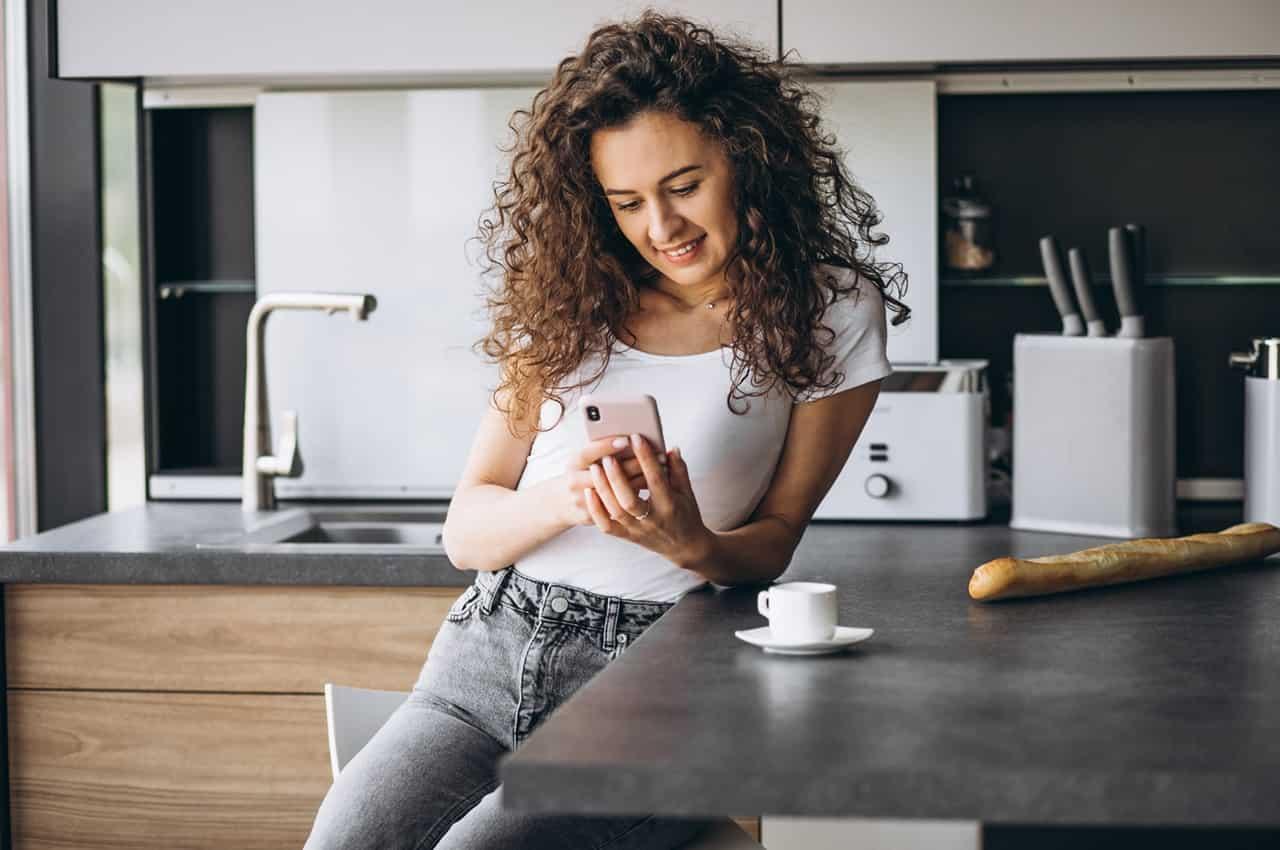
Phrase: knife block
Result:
[1094,442]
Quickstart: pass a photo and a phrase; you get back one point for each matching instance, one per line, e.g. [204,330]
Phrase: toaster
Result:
[922,454]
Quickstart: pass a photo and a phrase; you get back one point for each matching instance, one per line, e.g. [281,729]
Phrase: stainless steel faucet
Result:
[260,468]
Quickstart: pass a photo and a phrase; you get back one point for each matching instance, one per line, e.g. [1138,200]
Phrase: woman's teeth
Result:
[686,249]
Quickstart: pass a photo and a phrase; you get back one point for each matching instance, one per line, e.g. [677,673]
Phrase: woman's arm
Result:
[490,524]
[819,439]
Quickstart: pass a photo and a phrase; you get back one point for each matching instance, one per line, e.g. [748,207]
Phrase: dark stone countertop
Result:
[1144,704]
[164,543]
[1154,703]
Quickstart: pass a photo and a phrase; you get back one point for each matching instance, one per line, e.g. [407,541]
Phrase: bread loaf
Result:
[1114,563]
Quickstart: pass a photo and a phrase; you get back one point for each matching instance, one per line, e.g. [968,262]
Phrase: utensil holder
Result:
[1094,436]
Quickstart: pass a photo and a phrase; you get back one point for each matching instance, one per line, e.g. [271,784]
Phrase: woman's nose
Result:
[664,225]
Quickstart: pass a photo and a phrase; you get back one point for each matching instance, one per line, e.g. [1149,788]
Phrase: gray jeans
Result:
[510,651]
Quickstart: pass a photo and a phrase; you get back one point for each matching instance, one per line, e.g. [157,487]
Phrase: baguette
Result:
[1005,578]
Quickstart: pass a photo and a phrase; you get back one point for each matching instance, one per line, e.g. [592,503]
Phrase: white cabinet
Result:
[931,32]
[221,40]
[789,833]
[889,133]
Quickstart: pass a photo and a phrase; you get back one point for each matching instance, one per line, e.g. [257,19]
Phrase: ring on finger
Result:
[648,508]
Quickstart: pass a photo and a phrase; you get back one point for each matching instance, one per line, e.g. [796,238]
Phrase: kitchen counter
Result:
[1137,705]
[1151,703]
[163,543]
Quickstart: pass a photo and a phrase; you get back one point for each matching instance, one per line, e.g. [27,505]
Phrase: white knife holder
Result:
[1094,436]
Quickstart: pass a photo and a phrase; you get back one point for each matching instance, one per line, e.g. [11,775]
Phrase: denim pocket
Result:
[464,605]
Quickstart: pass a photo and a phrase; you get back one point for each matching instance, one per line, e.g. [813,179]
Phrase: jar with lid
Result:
[967,229]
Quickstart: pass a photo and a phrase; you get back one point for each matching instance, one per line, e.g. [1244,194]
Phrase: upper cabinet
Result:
[220,40]
[927,33]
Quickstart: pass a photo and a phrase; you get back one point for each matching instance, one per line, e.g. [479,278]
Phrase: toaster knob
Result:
[877,486]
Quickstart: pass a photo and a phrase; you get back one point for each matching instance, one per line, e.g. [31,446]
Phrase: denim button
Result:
[559,604]
[622,638]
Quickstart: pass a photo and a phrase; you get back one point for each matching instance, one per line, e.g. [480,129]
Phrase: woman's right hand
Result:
[577,476]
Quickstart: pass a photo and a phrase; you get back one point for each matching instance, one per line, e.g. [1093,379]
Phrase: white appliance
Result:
[1261,430]
[922,454]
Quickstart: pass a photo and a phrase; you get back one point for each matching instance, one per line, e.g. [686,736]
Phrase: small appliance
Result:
[922,454]
[1261,430]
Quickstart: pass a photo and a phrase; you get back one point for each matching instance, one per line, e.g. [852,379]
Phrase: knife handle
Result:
[1138,253]
[1059,288]
[1122,279]
[1083,282]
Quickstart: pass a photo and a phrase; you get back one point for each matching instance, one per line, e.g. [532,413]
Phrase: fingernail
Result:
[620,443]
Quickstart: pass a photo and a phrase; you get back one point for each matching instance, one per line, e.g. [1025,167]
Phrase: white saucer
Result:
[845,636]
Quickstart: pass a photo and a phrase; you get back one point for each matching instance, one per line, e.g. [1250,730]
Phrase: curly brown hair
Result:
[568,276]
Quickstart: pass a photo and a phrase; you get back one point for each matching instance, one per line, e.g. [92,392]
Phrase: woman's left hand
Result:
[669,523]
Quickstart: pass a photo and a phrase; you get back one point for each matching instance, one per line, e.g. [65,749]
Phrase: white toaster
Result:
[922,454]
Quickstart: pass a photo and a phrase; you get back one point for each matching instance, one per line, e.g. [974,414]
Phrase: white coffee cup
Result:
[799,611]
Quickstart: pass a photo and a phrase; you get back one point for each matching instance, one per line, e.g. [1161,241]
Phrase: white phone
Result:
[606,416]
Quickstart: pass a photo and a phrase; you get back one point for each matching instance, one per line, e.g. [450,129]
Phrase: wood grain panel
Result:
[140,771]
[174,771]
[219,638]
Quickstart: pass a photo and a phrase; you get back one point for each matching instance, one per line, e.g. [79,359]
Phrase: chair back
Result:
[353,715]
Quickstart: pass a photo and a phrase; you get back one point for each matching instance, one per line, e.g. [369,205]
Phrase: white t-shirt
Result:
[731,456]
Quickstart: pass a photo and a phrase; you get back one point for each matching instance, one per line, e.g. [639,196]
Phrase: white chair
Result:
[354,714]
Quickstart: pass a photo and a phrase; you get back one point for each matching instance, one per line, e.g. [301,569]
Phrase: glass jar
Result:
[967,232]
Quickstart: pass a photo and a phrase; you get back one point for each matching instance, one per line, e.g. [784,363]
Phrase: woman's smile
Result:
[686,253]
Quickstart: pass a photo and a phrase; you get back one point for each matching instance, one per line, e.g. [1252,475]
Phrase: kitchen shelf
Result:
[1105,280]
[179,288]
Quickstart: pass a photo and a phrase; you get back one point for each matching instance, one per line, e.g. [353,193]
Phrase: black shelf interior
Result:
[1197,168]
[200,170]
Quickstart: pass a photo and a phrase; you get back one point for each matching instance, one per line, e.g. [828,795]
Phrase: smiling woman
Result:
[674,225]
[685,220]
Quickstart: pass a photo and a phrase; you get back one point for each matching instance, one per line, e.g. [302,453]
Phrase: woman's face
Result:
[670,187]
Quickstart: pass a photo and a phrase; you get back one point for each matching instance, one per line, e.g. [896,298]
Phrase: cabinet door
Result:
[888,131]
[145,771]
[219,638]
[927,32]
[188,716]
[222,39]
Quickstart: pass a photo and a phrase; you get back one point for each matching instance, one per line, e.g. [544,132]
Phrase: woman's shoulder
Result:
[859,302]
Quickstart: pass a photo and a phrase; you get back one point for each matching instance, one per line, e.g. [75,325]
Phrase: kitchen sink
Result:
[341,529]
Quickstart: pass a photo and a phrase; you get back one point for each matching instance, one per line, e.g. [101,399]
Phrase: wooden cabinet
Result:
[245,39]
[181,716]
[934,32]
[190,716]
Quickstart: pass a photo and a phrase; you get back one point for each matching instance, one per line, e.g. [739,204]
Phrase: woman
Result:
[673,224]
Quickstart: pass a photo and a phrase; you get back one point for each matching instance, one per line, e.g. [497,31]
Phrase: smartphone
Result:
[607,416]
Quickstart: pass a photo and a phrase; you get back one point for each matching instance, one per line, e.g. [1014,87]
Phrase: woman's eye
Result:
[682,192]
